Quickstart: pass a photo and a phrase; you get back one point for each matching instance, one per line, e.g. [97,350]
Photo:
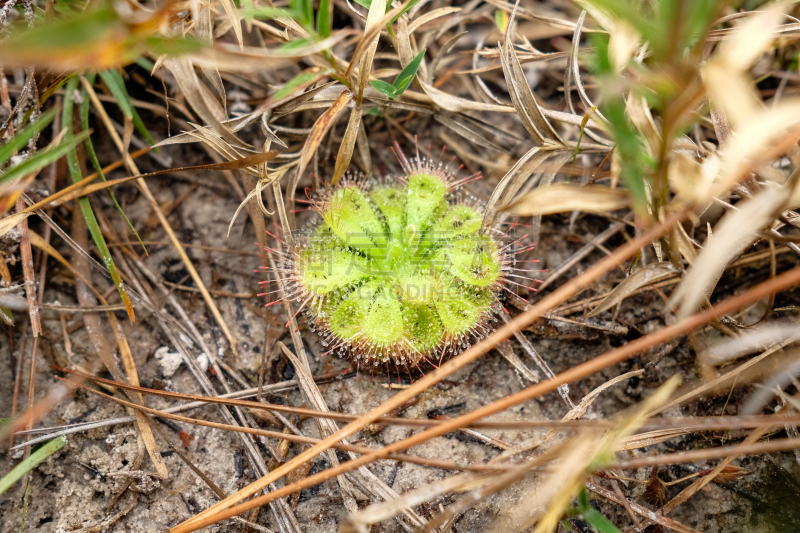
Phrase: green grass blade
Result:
[84,111]
[294,45]
[22,137]
[86,209]
[402,12]
[599,522]
[324,19]
[145,64]
[41,159]
[249,8]
[271,13]
[118,91]
[142,129]
[31,462]
[298,83]
[304,10]
[405,78]
[629,145]
[137,120]
[583,500]
[100,242]
[308,11]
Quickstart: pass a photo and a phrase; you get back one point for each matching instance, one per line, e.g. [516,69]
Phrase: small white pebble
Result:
[168,361]
[202,362]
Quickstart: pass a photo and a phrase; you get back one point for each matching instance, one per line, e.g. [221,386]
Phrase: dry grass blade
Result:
[399,106]
[282,101]
[204,28]
[638,111]
[232,58]
[84,188]
[522,97]
[377,11]
[318,131]
[431,15]
[64,194]
[623,37]
[574,414]
[559,159]
[507,351]
[771,334]
[466,132]
[575,469]
[566,25]
[360,522]
[233,17]
[348,145]
[732,374]
[651,438]
[642,510]
[517,175]
[579,410]
[573,71]
[641,278]
[290,104]
[11,221]
[441,54]
[39,242]
[27,268]
[691,180]
[566,197]
[200,98]
[764,135]
[756,129]
[369,39]
[456,104]
[734,234]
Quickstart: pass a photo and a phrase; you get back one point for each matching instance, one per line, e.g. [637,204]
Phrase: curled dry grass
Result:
[657,120]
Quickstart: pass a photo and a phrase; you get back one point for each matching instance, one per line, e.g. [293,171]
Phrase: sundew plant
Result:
[399,271]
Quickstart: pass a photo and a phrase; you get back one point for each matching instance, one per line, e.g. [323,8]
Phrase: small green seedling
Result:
[402,81]
[31,462]
[592,516]
[399,271]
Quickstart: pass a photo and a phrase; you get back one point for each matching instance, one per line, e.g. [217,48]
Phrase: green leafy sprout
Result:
[399,272]
[592,516]
[402,81]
